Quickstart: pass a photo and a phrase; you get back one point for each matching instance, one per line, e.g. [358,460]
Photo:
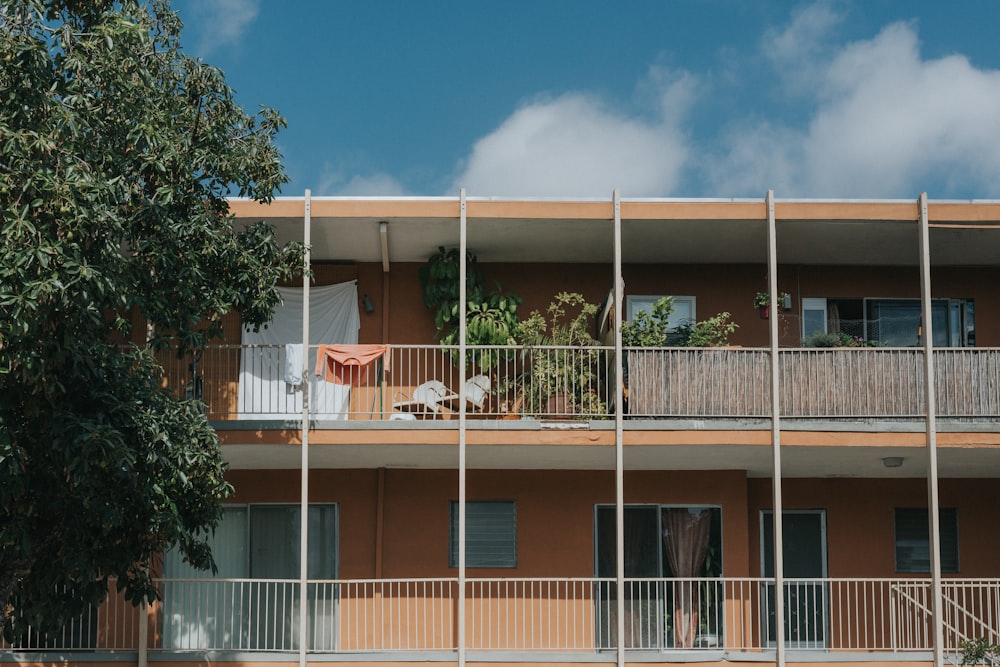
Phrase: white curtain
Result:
[199,614]
[264,392]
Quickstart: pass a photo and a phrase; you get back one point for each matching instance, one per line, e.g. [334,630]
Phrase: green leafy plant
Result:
[713,332]
[652,329]
[119,155]
[565,376]
[649,329]
[839,339]
[980,651]
[491,317]
[763,299]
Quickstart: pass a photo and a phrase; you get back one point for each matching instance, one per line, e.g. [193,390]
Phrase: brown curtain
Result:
[832,318]
[685,536]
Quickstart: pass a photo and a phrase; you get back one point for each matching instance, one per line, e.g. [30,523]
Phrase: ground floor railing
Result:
[112,626]
[538,615]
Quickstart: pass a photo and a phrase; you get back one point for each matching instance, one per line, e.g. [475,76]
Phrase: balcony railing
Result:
[422,382]
[567,615]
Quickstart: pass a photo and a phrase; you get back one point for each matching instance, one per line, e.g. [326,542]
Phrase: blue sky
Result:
[572,98]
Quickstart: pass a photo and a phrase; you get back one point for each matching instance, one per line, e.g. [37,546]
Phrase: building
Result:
[408,450]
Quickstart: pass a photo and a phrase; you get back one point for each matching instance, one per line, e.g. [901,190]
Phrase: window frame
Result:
[659,507]
[474,559]
[636,302]
[955,539]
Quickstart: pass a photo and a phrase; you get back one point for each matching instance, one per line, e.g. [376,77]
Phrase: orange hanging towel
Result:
[348,364]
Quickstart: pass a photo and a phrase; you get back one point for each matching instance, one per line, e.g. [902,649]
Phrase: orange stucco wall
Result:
[555,513]
[729,288]
[555,516]
[859,520]
[400,316]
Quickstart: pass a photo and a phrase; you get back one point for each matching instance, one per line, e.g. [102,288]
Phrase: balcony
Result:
[688,619]
[415,382]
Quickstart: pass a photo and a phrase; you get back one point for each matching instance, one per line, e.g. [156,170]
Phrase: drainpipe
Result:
[463,268]
[779,564]
[383,233]
[933,519]
[619,449]
[304,500]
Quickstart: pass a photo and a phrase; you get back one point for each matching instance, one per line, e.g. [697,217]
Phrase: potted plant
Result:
[762,302]
[839,339]
[560,369]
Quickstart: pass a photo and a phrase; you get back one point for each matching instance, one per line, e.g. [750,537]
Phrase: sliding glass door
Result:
[252,602]
[669,553]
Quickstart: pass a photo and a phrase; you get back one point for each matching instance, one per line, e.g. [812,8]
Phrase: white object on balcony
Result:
[426,399]
[333,318]
[293,364]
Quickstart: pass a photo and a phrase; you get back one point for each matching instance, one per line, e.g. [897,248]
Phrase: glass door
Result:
[805,595]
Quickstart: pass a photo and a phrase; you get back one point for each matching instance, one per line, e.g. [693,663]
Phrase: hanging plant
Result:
[490,318]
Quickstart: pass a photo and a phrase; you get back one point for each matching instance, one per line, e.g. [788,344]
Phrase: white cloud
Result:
[885,123]
[223,22]
[333,181]
[575,146]
[797,52]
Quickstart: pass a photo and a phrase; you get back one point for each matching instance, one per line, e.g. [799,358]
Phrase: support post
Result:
[143,615]
[304,490]
[619,428]
[933,508]
[779,561]
[463,269]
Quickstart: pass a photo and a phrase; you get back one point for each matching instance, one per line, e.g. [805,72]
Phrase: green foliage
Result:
[490,318]
[649,329]
[571,370]
[652,329]
[713,332]
[980,651]
[839,339]
[117,155]
[761,299]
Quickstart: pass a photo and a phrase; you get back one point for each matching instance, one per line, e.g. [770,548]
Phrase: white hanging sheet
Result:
[264,392]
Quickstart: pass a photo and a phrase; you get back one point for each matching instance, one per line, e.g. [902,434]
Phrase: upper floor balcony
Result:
[408,383]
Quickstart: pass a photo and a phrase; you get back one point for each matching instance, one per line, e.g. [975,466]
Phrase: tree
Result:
[118,153]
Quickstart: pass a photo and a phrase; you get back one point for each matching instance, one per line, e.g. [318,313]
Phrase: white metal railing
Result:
[410,382]
[551,614]
[577,614]
[573,615]
[112,626]
[389,614]
[510,382]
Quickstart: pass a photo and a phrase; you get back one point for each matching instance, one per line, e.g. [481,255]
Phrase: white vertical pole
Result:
[931,422]
[779,564]
[619,448]
[143,614]
[463,269]
[304,499]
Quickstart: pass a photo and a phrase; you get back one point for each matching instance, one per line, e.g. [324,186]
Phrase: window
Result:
[256,549]
[913,553]
[683,313]
[490,534]
[262,542]
[648,543]
[891,322]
